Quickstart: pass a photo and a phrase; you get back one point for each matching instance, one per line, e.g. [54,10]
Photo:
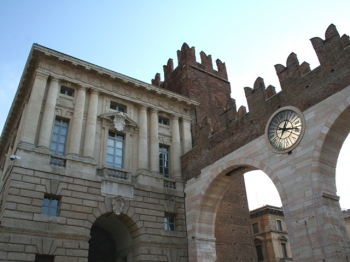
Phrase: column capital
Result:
[42,73]
[186,119]
[93,91]
[83,88]
[154,110]
[54,79]
[142,107]
[173,117]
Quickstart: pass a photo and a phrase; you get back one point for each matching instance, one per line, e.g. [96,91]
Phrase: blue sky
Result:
[136,38]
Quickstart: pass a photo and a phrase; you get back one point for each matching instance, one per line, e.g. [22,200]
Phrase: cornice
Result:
[38,53]
[100,72]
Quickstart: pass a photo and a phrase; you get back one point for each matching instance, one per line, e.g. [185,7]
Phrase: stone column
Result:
[175,150]
[33,108]
[143,143]
[154,143]
[90,129]
[77,122]
[48,114]
[186,132]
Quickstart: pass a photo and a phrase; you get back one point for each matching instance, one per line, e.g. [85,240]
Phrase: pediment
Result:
[110,116]
[258,240]
[283,238]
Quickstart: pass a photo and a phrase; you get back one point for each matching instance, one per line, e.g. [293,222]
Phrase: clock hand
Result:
[284,127]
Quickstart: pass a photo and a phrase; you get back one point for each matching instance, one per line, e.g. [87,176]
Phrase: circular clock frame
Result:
[285,126]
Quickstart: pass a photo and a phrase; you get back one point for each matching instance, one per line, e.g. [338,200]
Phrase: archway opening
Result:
[342,180]
[342,175]
[244,235]
[267,219]
[233,233]
[261,191]
[111,240]
[102,247]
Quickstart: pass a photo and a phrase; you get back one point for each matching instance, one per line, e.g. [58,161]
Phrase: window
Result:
[41,258]
[50,206]
[59,137]
[164,160]
[163,120]
[115,148]
[284,249]
[117,107]
[67,91]
[259,252]
[279,225]
[255,228]
[169,222]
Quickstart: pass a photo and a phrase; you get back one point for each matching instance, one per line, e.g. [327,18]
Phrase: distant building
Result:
[346,215]
[270,234]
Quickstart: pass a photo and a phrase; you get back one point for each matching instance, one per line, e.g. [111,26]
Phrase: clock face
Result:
[285,129]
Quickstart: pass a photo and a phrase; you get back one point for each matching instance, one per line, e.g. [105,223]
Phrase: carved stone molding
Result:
[68,74]
[119,121]
[115,118]
[118,205]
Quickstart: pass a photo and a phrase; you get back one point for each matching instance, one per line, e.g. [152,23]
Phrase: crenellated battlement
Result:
[199,81]
[300,87]
[187,56]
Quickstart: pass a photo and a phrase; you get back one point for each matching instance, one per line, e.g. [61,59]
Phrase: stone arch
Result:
[107,207]
[113,238]
[323,199]
[328,145]
[204,203]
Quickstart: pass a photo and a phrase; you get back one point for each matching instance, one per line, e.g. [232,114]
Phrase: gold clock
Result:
[285,129]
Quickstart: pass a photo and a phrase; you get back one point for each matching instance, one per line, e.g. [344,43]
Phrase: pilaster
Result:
[175,150]
[154,143]
[77,122]
[143,143]
[48,114]
[186,135]
[33,108]
[90,130]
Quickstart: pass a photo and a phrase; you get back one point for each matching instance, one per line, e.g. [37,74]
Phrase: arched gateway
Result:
[303,172]
[111,239]
[90,159]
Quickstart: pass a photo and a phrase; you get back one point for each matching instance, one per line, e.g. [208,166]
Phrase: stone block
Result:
[81,209]
[18,215]
[31,194]
[20,257]
[65,259]
[76,253]
[70,214]
[31,249]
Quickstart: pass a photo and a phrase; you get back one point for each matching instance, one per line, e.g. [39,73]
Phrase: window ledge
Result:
[175,233]
[114,173]
[67,96]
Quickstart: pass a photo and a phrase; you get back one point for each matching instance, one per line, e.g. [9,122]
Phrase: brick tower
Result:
[199,81]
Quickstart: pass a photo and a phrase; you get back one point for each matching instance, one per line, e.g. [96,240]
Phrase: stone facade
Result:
[270,234]
[129,201]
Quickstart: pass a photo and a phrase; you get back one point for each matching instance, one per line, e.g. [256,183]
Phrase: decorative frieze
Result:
[126,92]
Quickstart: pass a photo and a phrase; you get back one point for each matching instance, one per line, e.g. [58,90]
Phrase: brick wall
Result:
[233,231]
